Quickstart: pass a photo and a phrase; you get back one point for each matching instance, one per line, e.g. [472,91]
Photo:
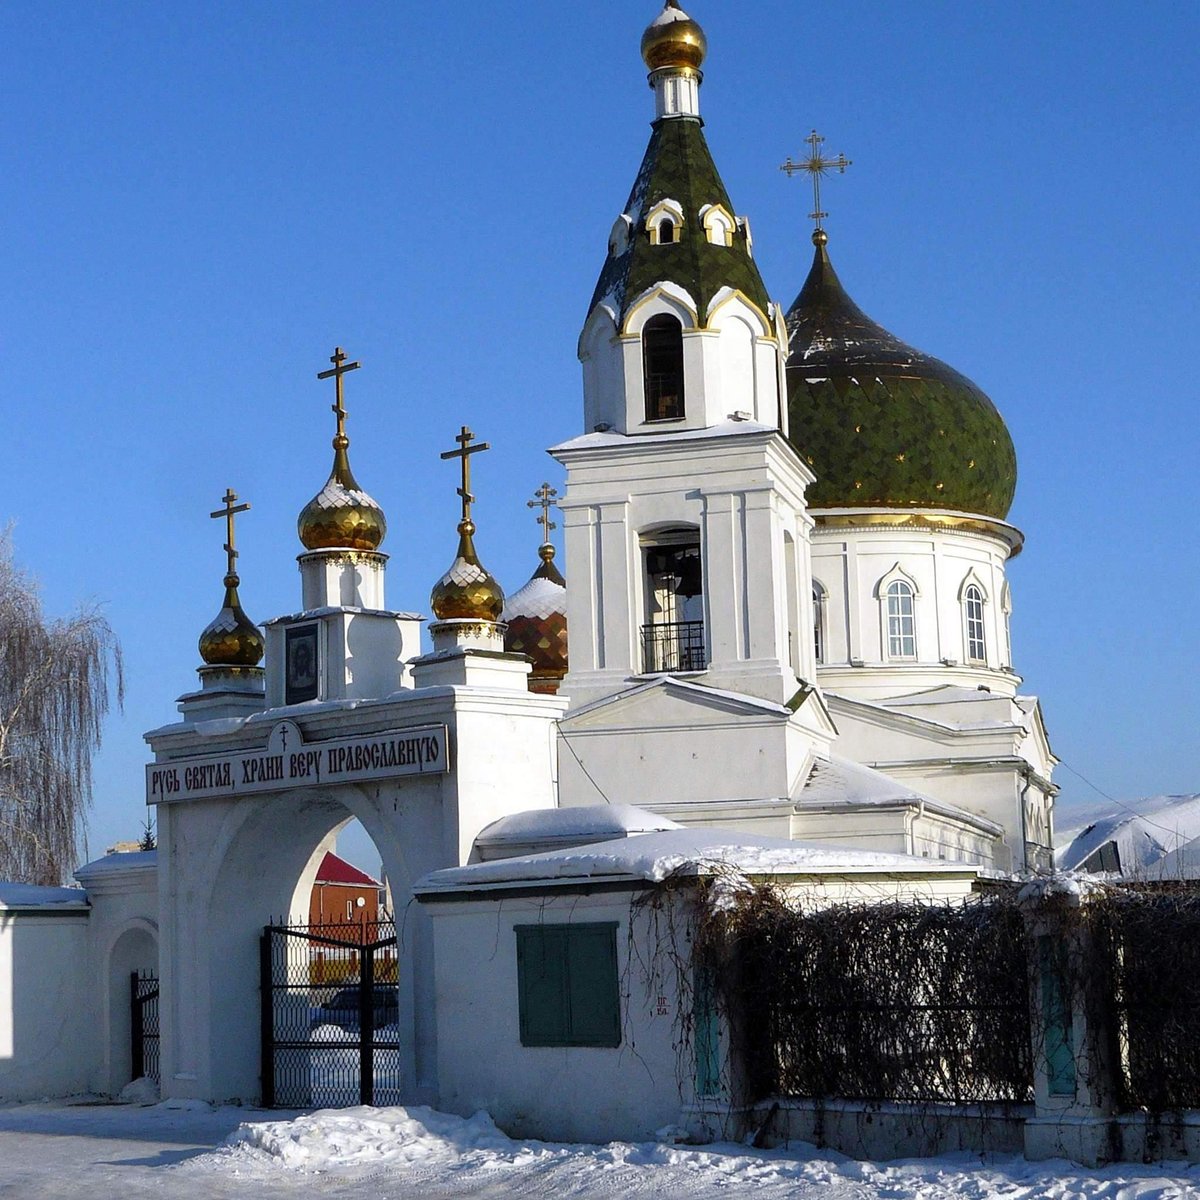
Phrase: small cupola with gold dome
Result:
[536,615]
[314,655]
[231,646]
[468,638]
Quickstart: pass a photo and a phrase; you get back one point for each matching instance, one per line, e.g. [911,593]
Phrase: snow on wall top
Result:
[28,895]
[655,856]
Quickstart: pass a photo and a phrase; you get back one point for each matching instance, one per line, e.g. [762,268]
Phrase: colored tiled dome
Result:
[536,616]
[881,424]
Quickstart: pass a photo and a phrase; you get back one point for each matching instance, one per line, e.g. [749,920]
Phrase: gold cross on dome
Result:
[227,512]
[543,498]
[816,165]
[464,452]
[340,367]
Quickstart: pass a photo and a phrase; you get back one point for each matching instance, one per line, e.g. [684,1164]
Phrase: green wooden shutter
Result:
[567,985]
[595,1016]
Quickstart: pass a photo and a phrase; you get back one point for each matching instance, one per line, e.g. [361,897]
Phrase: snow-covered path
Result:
[109,1152]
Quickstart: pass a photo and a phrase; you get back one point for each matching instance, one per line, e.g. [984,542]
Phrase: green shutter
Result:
[707,1034]
[1056,1020]
[567,985]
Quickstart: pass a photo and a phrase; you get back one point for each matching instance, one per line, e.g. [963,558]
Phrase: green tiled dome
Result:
[881,424]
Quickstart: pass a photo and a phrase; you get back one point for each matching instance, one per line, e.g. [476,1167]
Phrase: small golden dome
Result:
[232,640]
[341,516]
[673,39]
[467,592]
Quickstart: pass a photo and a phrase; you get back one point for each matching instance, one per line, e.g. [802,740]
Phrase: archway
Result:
[133,952]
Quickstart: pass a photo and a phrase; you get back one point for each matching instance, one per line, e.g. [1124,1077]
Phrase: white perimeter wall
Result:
[559,1094]
[48,1036]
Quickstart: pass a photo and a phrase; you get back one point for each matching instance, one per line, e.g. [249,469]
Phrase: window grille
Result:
[662,365]
[976,643]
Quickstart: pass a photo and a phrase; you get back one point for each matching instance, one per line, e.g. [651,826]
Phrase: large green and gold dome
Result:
[883,425]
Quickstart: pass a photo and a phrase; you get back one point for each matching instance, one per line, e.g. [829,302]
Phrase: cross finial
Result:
[816,165]
[340,367]
[464,452]
[543,498]
[227,512]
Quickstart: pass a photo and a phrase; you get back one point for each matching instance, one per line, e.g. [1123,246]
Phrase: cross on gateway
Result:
[543,499]
[340,367]
[228,512]
[464,452]
[816,165]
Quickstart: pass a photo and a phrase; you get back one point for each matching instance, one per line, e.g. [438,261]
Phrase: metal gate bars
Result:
[143,1025]
[330,1015]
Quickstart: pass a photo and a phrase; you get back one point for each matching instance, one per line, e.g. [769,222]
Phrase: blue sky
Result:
[198,201]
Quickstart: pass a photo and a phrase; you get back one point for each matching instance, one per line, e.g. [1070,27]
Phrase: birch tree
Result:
[56,679]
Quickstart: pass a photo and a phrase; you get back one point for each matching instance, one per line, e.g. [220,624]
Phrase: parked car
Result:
[342,1008]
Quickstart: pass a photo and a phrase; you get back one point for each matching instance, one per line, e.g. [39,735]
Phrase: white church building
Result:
[779,643]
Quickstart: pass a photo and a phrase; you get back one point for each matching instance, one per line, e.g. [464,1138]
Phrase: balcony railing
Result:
[674,646]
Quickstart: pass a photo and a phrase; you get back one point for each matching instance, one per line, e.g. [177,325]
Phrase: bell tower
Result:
[684,515]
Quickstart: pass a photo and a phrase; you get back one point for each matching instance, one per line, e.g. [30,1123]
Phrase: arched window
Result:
[818,601]
[973,612]
[666,231]
[901,620]
[662,367]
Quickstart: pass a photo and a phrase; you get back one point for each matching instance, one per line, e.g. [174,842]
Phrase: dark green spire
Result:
[678,166]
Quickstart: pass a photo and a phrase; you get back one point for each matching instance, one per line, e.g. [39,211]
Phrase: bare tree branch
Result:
[56,678]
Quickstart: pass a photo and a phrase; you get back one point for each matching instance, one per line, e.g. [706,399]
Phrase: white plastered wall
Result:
[853,566]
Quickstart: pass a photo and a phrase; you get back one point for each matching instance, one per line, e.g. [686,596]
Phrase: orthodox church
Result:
[779,637]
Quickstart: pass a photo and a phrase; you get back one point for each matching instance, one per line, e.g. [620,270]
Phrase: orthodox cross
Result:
[340,368]
[543,499]
[227,512]
[816,165]
[464,452]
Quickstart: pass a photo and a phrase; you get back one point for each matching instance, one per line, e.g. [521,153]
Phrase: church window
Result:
[673,634]
[818,602]
[901,620]
[666,232]
[973,611]
[1006,610]
[567,984]
[662,366]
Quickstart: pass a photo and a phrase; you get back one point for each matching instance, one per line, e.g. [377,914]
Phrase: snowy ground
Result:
[123,1152]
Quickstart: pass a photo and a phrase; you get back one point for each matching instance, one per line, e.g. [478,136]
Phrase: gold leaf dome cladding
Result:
[341,516]
[467,592]
[232,639]
[673,39]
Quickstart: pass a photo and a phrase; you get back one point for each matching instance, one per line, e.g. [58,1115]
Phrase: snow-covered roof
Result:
[595,441]
[652,857]
[1145,832]
[554,828]
[29,895]
[839,781]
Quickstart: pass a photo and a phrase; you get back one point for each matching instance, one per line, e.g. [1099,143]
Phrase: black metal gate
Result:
[330,1015]
[143,1025]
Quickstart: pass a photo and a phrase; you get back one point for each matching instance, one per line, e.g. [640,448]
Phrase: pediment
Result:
[666,703]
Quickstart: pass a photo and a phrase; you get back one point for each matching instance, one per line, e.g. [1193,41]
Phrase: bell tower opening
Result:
[673,634]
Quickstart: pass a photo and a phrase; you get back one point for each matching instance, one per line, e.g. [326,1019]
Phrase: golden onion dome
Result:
[467,592]
[673,39]
[341,516]
[232,639]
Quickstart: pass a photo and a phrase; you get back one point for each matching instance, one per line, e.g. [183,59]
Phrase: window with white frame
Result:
[818,602]
[973,613]
[1006,609]
[901,619]
[662,368]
